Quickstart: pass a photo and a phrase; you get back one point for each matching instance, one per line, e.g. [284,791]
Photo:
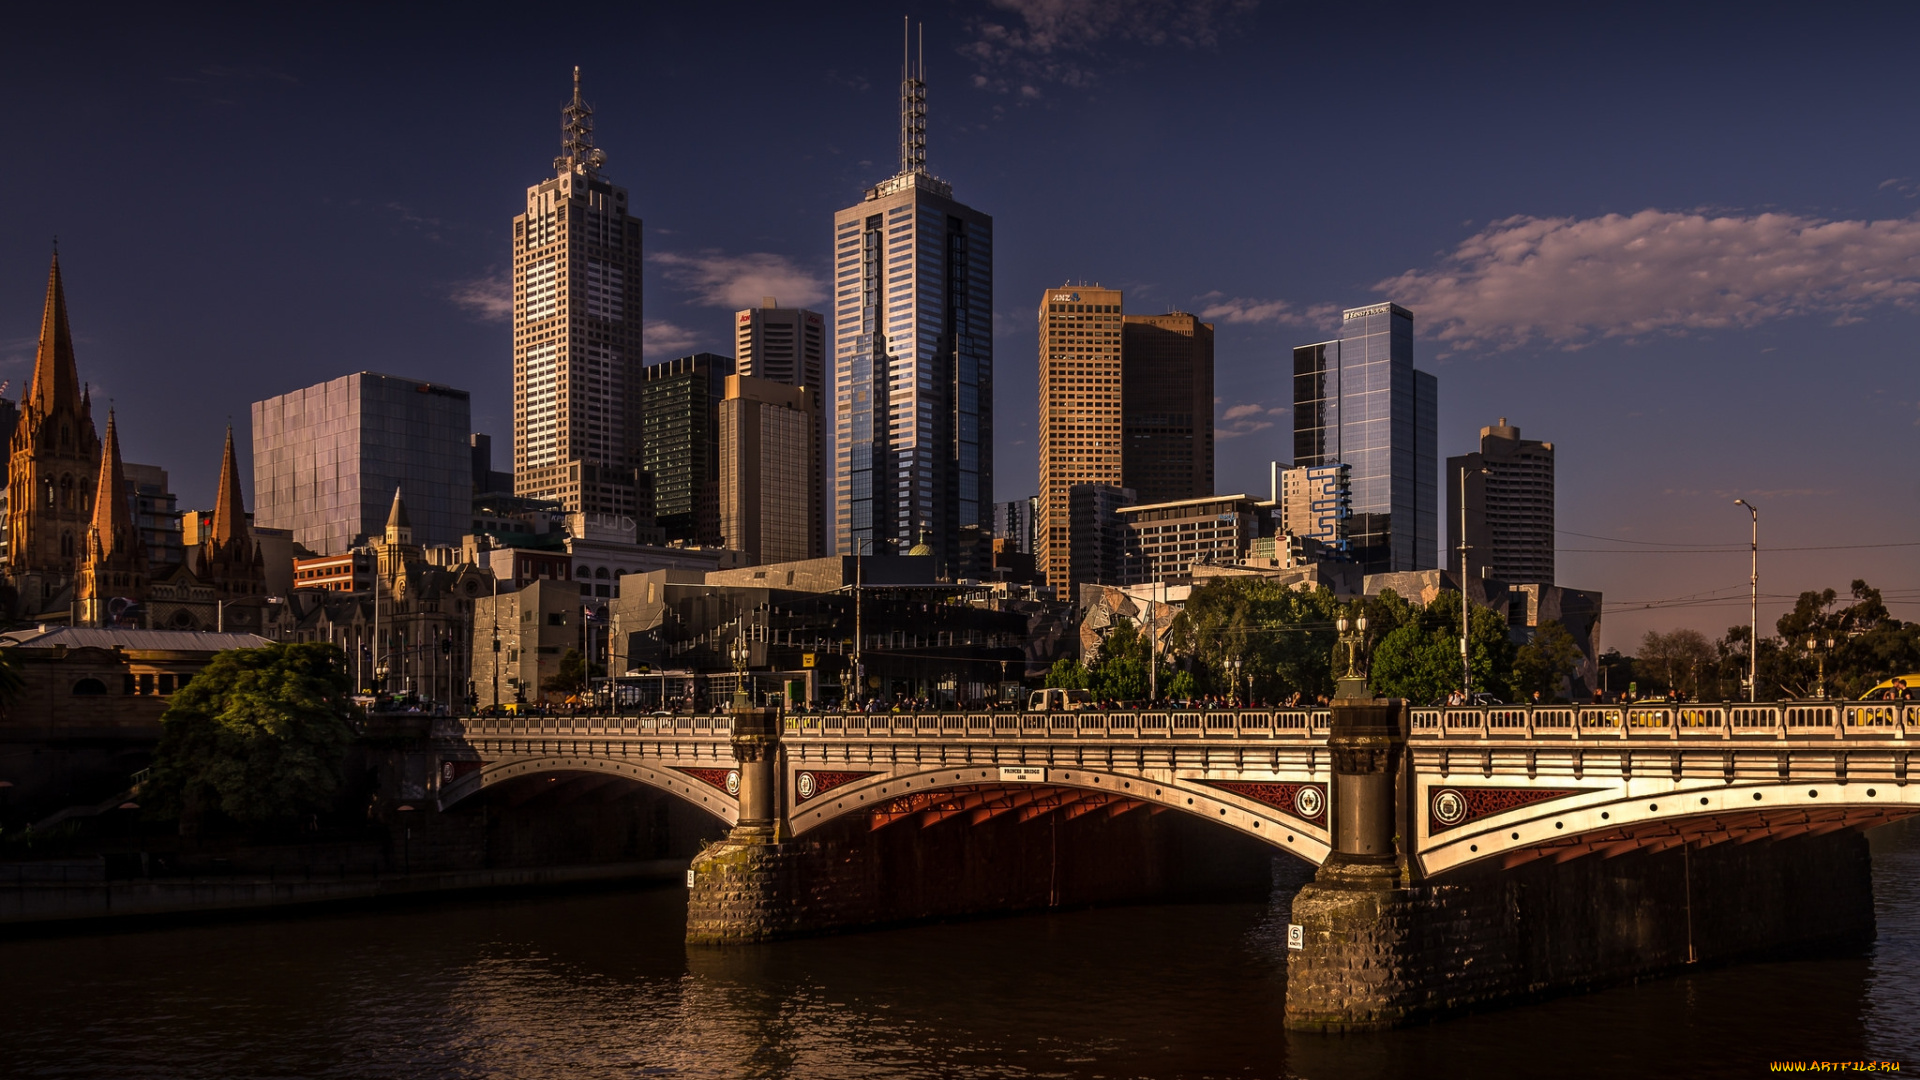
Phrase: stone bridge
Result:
[1500,786]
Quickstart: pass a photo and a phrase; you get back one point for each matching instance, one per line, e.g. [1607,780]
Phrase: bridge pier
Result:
[1381,946]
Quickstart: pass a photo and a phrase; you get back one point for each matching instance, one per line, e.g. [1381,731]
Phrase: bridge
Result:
[1501,786]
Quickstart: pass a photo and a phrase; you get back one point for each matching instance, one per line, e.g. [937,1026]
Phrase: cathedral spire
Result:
[913,101]
[399,526]
[56,383]
[113,532]
[229,510]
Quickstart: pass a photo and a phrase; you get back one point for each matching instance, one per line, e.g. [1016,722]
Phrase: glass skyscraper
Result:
[1357,400]
[913,359]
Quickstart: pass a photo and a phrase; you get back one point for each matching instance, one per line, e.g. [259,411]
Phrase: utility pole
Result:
[1753,607]
[1466,620]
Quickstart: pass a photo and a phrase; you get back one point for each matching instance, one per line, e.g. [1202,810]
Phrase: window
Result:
[89,687]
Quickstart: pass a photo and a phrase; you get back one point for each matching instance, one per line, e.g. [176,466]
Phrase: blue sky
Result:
[1681,246]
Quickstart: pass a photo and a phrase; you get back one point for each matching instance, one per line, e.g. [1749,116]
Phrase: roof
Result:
[85,637]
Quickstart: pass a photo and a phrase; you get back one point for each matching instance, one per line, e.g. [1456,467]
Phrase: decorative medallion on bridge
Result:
[1452,807]
[1308,802]
[727,780]
[808,784]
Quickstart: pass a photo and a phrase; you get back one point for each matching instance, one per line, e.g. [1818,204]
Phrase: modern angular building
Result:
[1167,406]
[1509,507]
[327,459]
[1316,502]
[679,444]
[1357,400]
[769,494]
[913,358]
[789,346]
[576,331]
[1080,425]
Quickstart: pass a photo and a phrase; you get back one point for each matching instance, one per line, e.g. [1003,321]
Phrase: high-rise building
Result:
[1358,400]
[1509,507]
[1097,538]
[769,504]
[1315,502]
[679,445]
[576,331]
[1013,521]
[326,460]
[1167,540]
[1167,406]
[1080,420]
[156,513]
[789,346]
[913,358]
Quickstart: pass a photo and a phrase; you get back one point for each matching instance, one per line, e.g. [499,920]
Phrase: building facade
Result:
[1315,503]
[1358,400]
[1081,432]
[1013,522]
[769,494]
[576,331]
[1510,511]
[326,460]
[1167,540]
[1167,406]
[680,449]
[913,359]
[1097,536]
[789,346]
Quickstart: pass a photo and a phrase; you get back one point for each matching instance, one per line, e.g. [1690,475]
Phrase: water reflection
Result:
[600,984]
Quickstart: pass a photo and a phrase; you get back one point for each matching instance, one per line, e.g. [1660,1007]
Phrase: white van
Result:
[1058,700]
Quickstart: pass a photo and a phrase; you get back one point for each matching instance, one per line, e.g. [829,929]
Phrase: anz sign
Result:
[1066,297]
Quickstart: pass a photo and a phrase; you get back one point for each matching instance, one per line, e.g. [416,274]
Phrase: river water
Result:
[601,985]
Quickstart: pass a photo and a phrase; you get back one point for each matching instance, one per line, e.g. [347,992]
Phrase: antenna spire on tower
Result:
[578,154]
[913,101]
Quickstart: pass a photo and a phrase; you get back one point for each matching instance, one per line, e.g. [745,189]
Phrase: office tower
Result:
[679,447]
[1014,521]
[156,513]
[1316,502]
[1167,540]
[789,346]
[54,463]
[326,460]
[1167,406]
[913,357]
[1097,537]
[1358,400]
[486,479]
[1509,507]
[1080,419]
[576,331]
[769,498]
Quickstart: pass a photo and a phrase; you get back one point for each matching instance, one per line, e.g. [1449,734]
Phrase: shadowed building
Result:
[680,450]
[789,346]
[1167,406]
[1509,507]
[769,498]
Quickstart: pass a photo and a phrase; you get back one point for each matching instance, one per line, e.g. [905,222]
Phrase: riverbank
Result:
[32,903]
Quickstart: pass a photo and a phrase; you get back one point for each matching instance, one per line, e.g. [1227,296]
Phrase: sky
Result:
[1680,242]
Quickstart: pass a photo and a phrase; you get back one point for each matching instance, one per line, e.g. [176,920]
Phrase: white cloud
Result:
[1247,418]
[1569,281]
[740,281]
[1217,307]
[488,298]
[1054,40]
[664,340]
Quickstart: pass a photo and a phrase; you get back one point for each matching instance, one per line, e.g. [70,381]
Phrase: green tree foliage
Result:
[1545,663]
[258,736]
[1869,645]
[571,676]
[1284,638]
[1119,671]
[1418,656]
[1066,674]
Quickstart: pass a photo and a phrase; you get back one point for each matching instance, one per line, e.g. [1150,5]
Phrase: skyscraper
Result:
[769,501]
[576,331]
[1167,406]
[1509,507]
[1357,399]
[326,460]
[913,356]
[680,448]
[1080,426]
[789,346]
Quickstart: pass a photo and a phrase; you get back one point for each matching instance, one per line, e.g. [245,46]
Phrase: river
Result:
[600,984]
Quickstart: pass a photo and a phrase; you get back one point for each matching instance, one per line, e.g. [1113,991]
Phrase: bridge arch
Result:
[1508,821]
[694,787]
[822,794]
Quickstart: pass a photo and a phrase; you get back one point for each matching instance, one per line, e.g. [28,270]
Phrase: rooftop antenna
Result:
[576,136]
[913,101]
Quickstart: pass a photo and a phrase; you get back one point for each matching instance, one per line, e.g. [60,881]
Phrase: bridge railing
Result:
[1671,721]
[704,725]
[1089,724]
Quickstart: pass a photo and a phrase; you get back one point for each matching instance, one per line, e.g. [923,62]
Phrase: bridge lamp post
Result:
[1466,618]
[1820,658]
[1234,664]
[1753,608]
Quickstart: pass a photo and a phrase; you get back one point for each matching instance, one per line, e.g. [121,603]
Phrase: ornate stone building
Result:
[54,458]
[223,585]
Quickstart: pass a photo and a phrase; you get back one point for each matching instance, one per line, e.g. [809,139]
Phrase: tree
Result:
[1546,662]
[1066,674]
[1419,657]
[1283,638]
[1119,671]
[260,735]
[571,676]
[1682,660]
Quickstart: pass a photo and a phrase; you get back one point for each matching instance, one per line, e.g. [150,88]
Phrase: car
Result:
[1054,699]
[1897,688]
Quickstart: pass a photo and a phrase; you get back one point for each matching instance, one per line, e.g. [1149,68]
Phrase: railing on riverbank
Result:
[1662,721]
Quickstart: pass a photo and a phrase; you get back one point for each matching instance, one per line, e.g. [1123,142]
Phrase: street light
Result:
[1466,620]
[1753,608]
[1820,658]
[1235,665]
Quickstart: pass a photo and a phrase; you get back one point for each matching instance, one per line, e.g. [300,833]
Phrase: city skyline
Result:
[1665,403]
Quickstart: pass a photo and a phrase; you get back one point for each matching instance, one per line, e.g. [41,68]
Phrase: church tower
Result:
[230,560]
[114,564]
[395,549]
[54,458]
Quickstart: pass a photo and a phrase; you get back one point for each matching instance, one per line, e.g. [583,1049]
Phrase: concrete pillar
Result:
[756,748]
